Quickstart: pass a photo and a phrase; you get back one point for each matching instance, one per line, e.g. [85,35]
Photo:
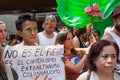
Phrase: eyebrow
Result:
[108,54]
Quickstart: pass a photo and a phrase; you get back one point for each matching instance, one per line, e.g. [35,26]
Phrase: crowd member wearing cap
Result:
[114,34]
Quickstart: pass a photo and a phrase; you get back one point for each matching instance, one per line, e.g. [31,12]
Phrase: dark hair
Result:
[22,18]
[80,31]
[96,31]
[61,37]
[2,64]
[116,13]
[12,37]
[95,51]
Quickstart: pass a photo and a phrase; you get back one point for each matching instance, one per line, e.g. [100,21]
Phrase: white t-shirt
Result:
[117,40]
[43,41]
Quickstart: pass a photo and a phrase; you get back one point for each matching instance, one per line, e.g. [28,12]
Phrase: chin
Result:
[71,47]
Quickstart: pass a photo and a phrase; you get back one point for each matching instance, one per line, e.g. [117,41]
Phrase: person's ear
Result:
[43,25]
[94,61]
[19,33]
[114,21]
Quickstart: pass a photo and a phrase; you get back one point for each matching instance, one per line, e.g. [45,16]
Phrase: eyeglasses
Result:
[30,31]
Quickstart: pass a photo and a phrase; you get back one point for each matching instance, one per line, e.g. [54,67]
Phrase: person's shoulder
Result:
[17,45]
[39,33]
[83,76]
[108,37]
[55,33]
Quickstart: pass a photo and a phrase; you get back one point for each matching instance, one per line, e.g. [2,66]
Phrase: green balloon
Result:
[72,13]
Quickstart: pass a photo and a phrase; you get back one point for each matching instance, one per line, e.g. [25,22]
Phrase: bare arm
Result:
[76,42]
[75,68]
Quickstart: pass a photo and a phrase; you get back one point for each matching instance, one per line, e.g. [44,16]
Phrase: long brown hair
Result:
[61,37]
[2,65]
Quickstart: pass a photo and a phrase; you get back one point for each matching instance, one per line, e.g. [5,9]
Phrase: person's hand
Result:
[92,39]
[89,28]
[80,51]
[36,77]
[64,59]
[44,78]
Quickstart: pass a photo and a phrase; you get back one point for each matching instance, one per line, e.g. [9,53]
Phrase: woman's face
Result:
[29,31]
[96,35]
[68,44]
[106,61]
[3,33]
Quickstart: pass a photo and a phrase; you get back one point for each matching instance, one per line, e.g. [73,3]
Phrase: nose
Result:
[109,60]
[33,31]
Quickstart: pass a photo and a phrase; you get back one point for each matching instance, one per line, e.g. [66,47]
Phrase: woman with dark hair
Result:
[80,38]
[26,26]
[74,63]
[27,29]
[101,62]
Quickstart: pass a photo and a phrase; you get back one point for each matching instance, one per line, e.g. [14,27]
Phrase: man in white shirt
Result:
[48,35]
[114,34]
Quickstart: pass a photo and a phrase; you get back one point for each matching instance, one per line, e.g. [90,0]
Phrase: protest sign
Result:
[28,61]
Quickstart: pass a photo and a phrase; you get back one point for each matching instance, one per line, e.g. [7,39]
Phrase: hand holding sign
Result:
[28,61]
[44,78]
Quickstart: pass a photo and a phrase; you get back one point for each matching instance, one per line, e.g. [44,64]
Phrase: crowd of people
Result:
[86,57]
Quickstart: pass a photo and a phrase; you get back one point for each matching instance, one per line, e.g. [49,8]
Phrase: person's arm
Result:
[75,68]
[92,39]
[82,51]
[76,42]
